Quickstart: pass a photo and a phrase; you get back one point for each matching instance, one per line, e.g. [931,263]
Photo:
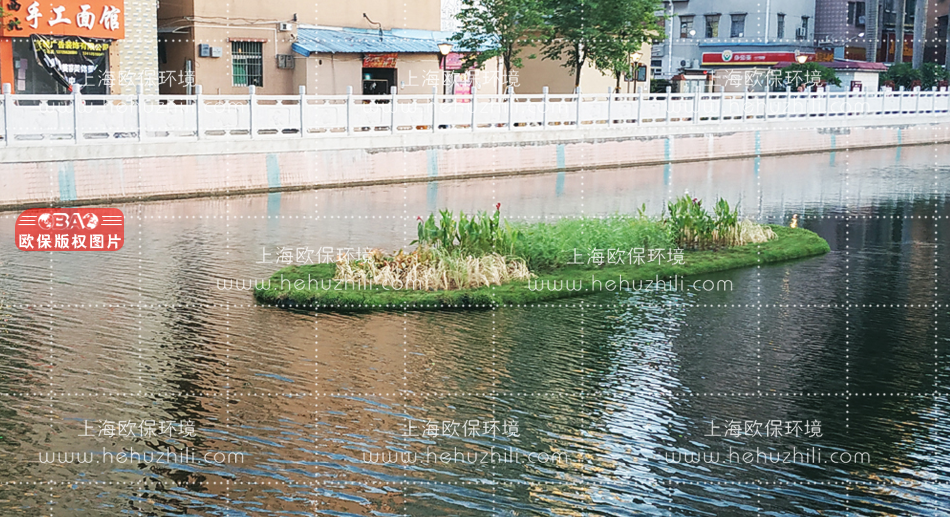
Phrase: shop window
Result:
[377,81]
[247,62]
[30,77]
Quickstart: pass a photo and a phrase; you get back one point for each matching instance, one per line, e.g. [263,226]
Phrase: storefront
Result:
[737,71]
[52,48]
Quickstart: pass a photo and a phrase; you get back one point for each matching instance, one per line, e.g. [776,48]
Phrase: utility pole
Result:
[920,31]
[899,31]
[872,29]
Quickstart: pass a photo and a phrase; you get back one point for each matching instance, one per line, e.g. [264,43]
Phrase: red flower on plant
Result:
[497,206]
[418,218]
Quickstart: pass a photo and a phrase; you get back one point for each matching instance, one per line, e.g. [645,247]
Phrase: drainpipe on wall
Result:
[765,38]
[670,53]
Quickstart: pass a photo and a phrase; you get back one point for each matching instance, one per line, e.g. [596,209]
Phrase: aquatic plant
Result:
[476,235]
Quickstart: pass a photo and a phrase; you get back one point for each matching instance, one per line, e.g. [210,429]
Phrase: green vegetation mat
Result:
[312,285]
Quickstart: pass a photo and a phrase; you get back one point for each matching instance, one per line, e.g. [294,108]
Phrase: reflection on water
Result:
[377,414]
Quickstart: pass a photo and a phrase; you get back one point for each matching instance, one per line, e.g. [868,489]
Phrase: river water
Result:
[619,403]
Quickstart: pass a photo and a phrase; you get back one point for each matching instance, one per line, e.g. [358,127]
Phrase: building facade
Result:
[326,47]
[99,46]
[708,40]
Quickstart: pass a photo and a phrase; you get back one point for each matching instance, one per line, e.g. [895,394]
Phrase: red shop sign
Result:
[70,229]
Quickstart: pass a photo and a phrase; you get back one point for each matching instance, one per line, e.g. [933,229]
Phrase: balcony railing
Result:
[43,120]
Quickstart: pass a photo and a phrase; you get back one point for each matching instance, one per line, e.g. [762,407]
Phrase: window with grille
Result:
[686,27]
[247,63]
[780,27]
[737,30]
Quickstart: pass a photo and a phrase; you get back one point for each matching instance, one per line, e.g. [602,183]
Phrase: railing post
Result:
[610,101]
[669,90]
[198,101]
[302,102]
[745,103]
[544,108]
[435,100]
[251,101]
[474,109]
[7,99]
[916,100]
[900,101]
[140,110]
[696,101]
[392,109]
[864,110]
[722,101]
[511,105]
[349,107]
[788,102]
[639,107]
[766,104]
[827,102]
[77,99]
[577,114]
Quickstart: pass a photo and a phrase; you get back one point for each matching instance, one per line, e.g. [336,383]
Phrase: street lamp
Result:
[634,68]
[444,49]
[801,58]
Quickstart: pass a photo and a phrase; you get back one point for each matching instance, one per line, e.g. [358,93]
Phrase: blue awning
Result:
[355,41]
[368,41]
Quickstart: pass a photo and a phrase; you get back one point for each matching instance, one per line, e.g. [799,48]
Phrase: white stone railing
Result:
[41,120]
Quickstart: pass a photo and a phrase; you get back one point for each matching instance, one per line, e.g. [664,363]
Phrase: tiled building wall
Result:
[134,60]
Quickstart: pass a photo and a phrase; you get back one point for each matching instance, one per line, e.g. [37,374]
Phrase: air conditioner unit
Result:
[861,20]
[683,62]
[285,27]
[801,33]
[285,61]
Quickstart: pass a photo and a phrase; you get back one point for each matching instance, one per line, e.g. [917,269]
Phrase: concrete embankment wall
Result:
[110,173]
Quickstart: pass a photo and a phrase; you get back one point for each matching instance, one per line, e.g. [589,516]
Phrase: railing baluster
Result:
[77,98]
[349,103]
[474,109]
[140,111]
[198,101]
[544,108]
[251,101]
[302,102]
[7,99]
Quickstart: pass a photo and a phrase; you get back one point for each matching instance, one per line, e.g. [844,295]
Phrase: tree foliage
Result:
[798,74]
[904,74]
[497,28]
[601,32]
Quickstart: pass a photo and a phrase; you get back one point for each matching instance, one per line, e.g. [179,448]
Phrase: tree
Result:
[931,74]
[602,32]
[629,23]
[497,28]
[798,74]
[902,74]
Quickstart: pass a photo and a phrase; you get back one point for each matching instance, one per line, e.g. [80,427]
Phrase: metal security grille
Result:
[247,62]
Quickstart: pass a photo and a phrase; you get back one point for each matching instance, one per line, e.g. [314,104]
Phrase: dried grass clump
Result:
[752,233]
[429,270]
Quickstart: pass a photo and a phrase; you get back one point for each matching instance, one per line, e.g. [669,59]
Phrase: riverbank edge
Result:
[87,175]
[791,244]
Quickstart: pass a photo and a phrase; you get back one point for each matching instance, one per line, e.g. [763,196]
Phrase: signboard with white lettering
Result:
[84,18]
